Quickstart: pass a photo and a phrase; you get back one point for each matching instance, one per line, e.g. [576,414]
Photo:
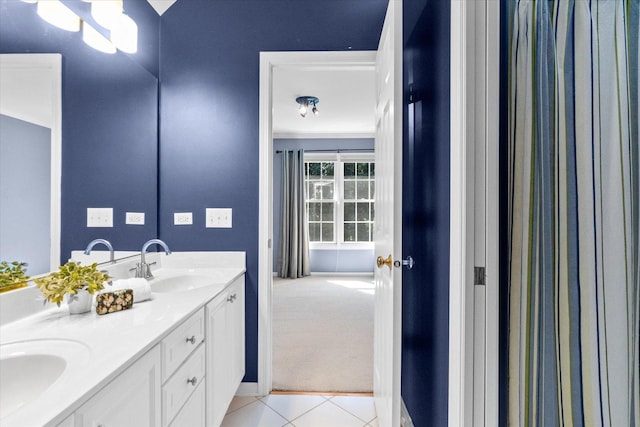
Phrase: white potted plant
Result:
[78,282]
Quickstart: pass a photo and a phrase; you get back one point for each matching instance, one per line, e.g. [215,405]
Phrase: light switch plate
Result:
[182,218]
[99,217]
[219,218]
[134,218]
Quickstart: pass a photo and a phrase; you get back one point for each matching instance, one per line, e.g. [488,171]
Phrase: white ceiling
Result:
[347,102]
[161,6]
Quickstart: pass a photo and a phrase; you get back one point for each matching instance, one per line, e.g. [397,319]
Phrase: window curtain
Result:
[293,253]
[574,212]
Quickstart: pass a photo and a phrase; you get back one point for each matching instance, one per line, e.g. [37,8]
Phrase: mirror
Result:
[30,160]
[108,131]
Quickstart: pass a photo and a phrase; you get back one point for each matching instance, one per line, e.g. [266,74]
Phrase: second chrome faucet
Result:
[142,268]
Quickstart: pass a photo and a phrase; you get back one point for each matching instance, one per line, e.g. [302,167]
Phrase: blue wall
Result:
[425,299]
[209,73]
[25,175]
[109,122]
[322,260]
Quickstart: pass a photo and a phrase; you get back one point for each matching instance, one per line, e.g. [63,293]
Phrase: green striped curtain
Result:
[574,213]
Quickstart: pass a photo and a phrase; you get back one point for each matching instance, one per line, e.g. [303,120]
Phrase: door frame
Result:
[474,239]
[269,61]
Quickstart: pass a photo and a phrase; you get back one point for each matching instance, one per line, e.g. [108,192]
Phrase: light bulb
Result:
[106,12]
[56,13]
[125,34]
[303,110]
[96,40]
[315,111]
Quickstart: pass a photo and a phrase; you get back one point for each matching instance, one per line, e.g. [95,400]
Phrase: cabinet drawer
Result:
[192,413]
[180,343]
[182,384]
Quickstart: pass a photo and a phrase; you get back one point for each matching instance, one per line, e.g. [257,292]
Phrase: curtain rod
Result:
[344,150]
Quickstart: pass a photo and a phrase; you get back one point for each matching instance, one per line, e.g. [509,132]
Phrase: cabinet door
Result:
[132,399]
[218,372]
[236,331]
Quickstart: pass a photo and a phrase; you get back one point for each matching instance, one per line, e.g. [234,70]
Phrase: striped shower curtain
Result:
[574,213]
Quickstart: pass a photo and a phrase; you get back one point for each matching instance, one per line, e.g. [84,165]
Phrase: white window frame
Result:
[338,197]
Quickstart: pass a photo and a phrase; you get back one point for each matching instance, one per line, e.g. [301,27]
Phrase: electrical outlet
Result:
[99,217]
[182,218]
[134,218]
[219,218]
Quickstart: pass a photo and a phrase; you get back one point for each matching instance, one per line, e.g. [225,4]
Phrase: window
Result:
[320,184]
[359,190]
[340,198]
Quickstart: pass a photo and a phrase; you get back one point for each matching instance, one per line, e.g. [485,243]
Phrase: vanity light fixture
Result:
[305,102]
[106,12]
[124,34]
[93,38]
[56,13]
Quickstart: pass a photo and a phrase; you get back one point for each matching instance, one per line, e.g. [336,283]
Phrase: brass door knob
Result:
[381,262]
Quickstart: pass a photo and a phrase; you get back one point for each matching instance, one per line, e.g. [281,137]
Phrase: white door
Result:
[388,222]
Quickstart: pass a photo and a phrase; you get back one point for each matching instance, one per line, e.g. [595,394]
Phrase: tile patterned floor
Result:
[296,410]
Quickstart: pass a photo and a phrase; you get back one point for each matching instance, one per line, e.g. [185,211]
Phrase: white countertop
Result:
[114,340]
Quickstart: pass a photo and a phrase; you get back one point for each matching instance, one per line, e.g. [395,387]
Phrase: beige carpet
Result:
[323,334]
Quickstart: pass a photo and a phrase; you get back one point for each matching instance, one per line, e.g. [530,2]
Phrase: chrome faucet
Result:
[142,268]
[104,242]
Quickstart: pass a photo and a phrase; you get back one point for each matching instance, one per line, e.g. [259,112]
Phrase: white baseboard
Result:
[248,389]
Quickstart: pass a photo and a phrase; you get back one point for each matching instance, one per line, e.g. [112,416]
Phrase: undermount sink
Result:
[29,368]
[184,282]
[187,279]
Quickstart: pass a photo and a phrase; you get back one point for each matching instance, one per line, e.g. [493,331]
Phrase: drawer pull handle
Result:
[232,298]
[192,381]
[192,340]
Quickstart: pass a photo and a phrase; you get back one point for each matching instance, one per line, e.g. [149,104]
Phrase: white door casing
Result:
[269,61]
[388,221]
[473,309]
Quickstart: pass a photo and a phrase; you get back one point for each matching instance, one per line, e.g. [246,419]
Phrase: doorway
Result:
[269,62]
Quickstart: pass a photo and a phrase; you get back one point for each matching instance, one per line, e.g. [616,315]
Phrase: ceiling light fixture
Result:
[56,13]
[305,102]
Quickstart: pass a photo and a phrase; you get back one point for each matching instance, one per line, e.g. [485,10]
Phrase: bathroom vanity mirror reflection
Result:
[107,133]
[30,154]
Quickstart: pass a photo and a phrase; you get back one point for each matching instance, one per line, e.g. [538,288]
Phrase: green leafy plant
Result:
[12,275]
[70,279]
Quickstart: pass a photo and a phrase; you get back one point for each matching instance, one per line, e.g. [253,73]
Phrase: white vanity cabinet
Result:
[131,399]
[225,349]
[187,379]
[165,387]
